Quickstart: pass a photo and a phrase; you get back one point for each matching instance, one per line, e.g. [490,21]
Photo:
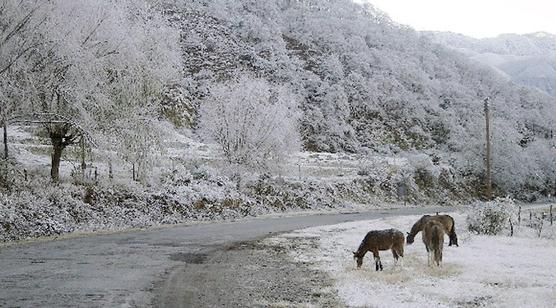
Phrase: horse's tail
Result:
[436,244]
[435,237]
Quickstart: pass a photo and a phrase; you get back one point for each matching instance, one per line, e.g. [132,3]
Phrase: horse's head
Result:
[358,258]
[410,238]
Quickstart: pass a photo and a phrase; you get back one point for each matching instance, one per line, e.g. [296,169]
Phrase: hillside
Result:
[528,60]
[366,84]
[318,105]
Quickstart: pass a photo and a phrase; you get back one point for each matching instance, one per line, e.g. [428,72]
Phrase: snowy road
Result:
[133,268]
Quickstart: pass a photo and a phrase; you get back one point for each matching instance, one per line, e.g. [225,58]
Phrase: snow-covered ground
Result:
[494,271]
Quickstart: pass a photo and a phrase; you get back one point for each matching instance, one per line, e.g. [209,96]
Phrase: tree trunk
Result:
[57,147]
[133,171]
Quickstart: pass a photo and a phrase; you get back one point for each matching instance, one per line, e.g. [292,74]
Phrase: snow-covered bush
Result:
[253,122]
[10,175]
[413,178]
[491,218]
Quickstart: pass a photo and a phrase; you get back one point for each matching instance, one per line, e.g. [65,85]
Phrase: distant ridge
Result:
[528,59]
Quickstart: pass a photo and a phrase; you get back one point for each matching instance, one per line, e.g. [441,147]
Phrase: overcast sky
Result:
[476,18]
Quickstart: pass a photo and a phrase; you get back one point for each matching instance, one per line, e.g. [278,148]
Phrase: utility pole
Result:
[83,162]
[487,160]
[5,139]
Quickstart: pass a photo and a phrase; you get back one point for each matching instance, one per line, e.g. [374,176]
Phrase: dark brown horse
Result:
[445,220]
[433,237]
[380,240]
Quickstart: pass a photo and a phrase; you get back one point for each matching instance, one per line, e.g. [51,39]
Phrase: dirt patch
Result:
[191,258]
[246,274]
[479,301]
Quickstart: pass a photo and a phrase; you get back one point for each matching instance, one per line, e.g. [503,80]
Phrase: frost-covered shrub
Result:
[8,175]
[253,122]
[413,177]
[491,218]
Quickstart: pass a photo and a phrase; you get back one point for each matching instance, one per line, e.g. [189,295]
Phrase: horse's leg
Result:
[440,259]
[428,255]
[454,237]
[377,259]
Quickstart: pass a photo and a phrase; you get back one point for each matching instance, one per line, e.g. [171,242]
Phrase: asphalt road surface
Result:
[158,267]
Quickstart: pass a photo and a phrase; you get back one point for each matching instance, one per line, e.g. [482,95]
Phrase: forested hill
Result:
[367,84]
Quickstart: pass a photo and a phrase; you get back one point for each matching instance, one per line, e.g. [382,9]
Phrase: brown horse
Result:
[445,220]
[433,237]
[380,240]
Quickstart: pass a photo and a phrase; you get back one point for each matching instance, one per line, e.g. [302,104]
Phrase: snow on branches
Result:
[254,123]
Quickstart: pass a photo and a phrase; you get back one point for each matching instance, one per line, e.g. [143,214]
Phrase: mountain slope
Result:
[366,84]
[528,60]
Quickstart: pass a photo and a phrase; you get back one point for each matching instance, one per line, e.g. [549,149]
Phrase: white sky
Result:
[476,18]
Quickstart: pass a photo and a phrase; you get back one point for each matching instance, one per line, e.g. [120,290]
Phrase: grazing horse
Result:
[447,222]
[380,240]
[433,237]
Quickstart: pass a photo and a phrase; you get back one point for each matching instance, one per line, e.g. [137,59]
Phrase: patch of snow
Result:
[495,271]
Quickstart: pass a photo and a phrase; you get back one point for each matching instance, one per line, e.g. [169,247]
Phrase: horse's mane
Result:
[363,242]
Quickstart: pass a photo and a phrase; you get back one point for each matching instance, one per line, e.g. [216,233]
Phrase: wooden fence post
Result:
[511,228]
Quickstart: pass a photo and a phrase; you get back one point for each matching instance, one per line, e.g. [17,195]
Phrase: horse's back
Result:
[384,239]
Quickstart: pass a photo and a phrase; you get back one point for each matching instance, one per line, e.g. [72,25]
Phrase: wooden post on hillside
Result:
[551,214]
[5,139]
[511,228]
[487,160]
[83,162]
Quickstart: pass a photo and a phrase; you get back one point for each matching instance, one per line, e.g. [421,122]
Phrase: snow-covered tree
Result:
[19,21]
[254,123]
[94,57]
